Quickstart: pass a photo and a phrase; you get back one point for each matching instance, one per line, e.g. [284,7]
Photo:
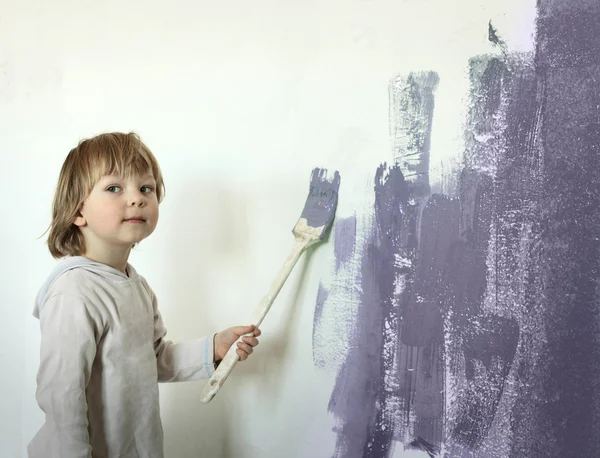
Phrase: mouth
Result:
[135,220]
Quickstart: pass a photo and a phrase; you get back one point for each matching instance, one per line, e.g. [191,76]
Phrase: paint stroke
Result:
[371,421]
[484,296]
[322,295]
[411,113]
[421,347]
[509,293]
[559,402]
[344,241]
[419,350]
[337,297]
[365,397]
[466,277]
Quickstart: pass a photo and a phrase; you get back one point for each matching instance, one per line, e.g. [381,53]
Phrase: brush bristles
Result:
[321,203]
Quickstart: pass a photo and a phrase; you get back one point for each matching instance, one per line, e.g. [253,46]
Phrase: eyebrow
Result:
[118,177]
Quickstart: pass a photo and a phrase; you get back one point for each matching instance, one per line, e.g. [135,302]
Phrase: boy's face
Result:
[119,212]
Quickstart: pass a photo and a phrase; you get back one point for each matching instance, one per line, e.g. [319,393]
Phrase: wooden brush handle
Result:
[231,358]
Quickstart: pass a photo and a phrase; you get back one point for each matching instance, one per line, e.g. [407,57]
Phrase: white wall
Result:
[239,101]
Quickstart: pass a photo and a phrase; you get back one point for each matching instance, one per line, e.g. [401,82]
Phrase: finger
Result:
[242,354]
[257,332]
[245,348]
[242,330]
[252,341]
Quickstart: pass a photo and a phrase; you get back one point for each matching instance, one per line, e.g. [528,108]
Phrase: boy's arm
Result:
[182,361]
[69,335]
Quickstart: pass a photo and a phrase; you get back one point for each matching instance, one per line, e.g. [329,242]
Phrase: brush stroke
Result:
[480,385]
[484,299]
[337,299]
[363,398]
[395,225]
[421,348]
[559,404]
[322,295]
[372,421]
[411,114]
[516,187]
[419,360]
[344,241]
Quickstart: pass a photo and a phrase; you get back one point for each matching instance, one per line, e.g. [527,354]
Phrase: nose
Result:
[136,199]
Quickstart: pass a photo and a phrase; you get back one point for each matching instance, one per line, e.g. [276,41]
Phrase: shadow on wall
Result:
[219,236]
[202,219]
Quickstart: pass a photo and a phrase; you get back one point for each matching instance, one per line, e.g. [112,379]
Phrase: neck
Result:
[115,257]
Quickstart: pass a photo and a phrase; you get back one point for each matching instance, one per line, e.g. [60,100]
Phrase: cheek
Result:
[103,214]
[154,214]
[111,213]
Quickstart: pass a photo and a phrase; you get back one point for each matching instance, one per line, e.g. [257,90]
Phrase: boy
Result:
[103,346]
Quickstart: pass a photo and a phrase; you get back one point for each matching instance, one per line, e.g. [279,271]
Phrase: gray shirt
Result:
[103,352]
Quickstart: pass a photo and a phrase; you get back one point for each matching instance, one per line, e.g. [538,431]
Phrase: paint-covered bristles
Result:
[321,203]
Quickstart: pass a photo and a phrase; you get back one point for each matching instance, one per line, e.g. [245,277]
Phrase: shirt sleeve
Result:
[182,361]
[70,332]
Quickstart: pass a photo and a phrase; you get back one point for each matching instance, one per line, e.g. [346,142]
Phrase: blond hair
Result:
[106,154]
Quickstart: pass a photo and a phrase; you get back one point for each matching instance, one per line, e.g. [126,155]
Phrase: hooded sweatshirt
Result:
[103,352]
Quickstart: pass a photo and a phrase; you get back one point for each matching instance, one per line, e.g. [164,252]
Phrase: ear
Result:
[80,221]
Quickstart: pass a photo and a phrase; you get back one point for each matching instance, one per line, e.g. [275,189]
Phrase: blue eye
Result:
[113,188]
[149,189]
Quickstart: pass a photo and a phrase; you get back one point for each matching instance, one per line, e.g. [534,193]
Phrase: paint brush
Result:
[315,220]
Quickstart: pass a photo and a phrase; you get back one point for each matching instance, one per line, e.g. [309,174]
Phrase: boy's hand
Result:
[225,339]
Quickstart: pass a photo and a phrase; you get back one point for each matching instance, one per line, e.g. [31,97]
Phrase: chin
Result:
[136,241]
[128,243]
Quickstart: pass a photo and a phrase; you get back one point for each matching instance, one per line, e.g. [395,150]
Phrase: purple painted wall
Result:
[477,324]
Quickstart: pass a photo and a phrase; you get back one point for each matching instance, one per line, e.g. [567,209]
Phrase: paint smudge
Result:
[494,37]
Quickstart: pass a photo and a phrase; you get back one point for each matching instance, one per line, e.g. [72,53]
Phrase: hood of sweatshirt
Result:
[79,262]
